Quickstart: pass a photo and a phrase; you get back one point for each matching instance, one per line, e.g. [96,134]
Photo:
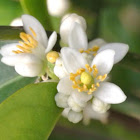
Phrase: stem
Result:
[96,30]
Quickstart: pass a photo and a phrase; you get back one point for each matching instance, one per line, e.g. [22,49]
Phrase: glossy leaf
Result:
[30,113]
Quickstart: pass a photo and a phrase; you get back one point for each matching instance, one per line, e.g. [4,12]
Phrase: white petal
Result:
[65,112]
[29,70]
[51,42]
[30,21]
[72,59]
[29,65]
[60,72]
[119,48]
[99,106]
[65,86]
[61,100]
[7,49]
[88,57]
[77,38]
[59,69]
[110,93]
[81,98]
[67,23]
[11,60]
[73,105]
[96,42]
[89,113]
[74,117]
[104,61]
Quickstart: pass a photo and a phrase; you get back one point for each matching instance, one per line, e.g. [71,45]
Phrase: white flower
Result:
[78,40]
[58,7]
[67,24]
[29,56]
[87,80]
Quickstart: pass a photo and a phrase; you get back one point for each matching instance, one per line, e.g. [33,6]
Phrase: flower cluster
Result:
[83,70]
[83,67]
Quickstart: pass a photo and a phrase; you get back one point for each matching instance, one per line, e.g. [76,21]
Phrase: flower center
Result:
[28,42]
[92,50]
[87,80]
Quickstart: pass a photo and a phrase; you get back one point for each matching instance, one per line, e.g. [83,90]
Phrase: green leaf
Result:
[10,86]
[38,9]
[30,113]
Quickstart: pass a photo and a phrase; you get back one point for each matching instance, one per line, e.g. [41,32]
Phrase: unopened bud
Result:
[57,7]
[67,23]
[52,56]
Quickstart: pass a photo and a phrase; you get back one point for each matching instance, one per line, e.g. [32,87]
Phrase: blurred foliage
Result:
[9,10]
[38,10]
[119,127]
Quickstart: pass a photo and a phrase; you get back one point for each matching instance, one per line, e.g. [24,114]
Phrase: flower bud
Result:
[57,7]
[99,106]
[74,117]
[52,56]
[16,22]
[66,25]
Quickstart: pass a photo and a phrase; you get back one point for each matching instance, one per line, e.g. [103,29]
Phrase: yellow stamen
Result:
[74,86]
[27,44]
[26,50]
[81,51]
[93,50]
[94,54]
[85,82]
[23,36]
[33,32]
[97,84]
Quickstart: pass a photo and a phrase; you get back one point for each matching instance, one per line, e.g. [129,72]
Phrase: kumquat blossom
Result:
[86,82]
[29,55]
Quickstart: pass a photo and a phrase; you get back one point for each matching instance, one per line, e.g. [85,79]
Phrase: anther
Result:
[33,32]
[97,84]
